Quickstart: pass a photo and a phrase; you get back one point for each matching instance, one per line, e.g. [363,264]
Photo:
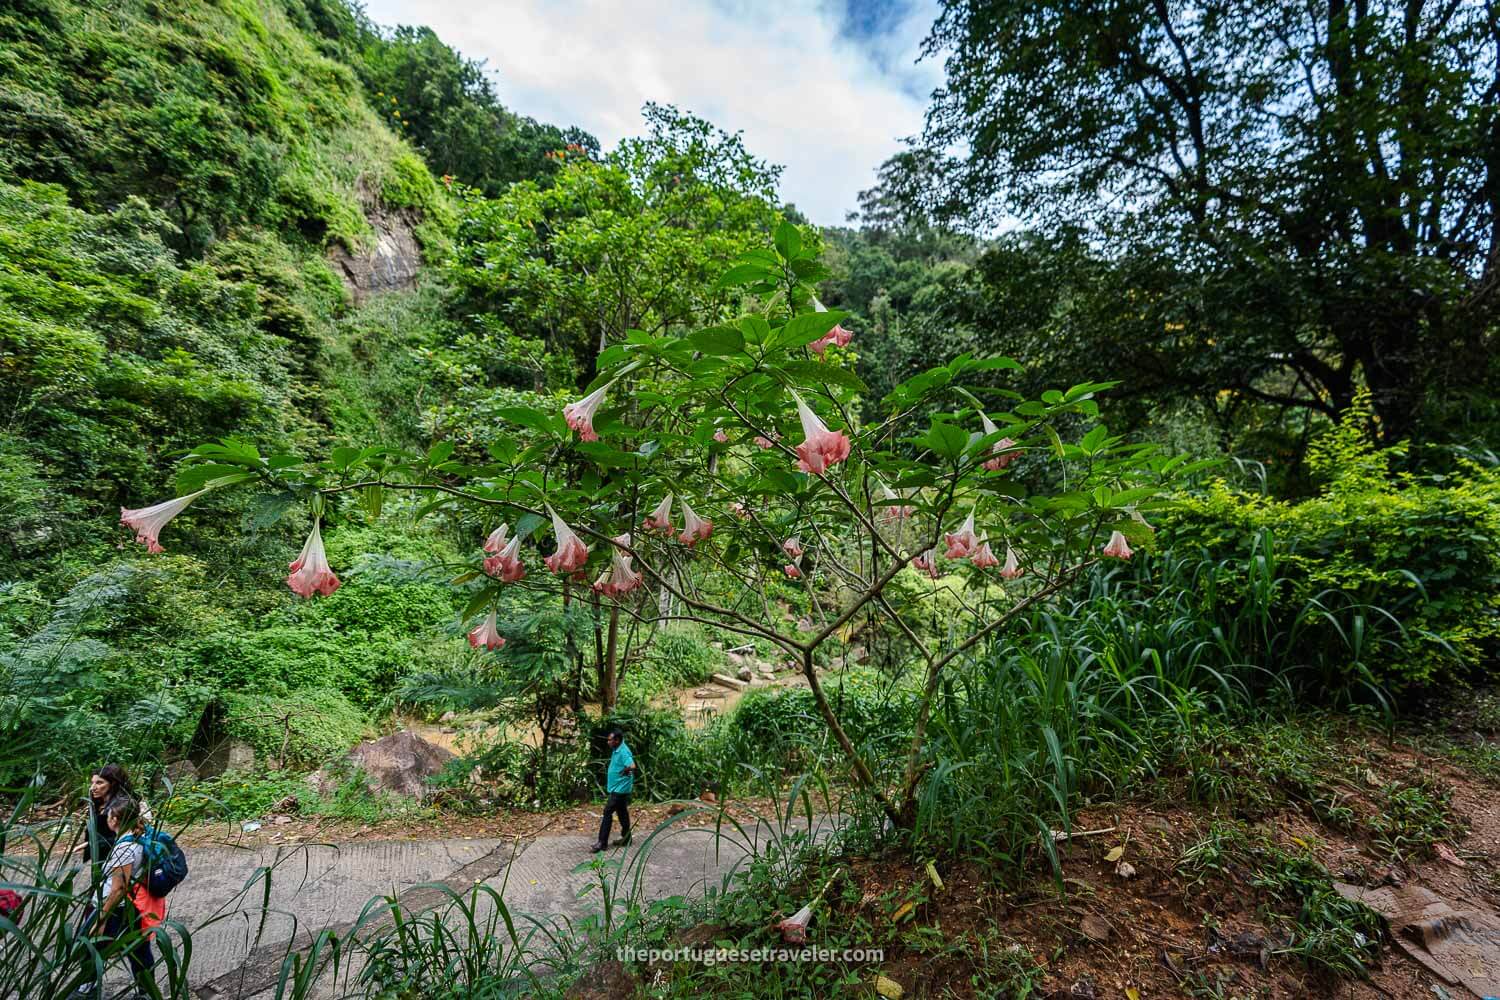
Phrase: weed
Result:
[1412,818]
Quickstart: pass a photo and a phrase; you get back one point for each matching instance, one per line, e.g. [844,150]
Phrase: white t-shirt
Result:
[126,852]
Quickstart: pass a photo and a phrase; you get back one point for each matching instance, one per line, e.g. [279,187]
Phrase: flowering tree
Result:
[700,468]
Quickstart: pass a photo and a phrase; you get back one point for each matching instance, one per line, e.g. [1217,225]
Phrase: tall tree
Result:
[1308,192]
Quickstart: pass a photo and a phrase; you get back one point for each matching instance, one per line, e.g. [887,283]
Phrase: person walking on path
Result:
[105,784]
[114,916]
[619,783]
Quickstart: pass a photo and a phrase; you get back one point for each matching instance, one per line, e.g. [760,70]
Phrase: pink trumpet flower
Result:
[982,557]
[660,519]
[1011,569]
[792,547]
[767,443]
[147,522]
[926,562]
[894,513]
[1004,450]
[721,436]
[791,571]
[571,553]
[1117,547]
[838,335]
[496,540]
[963,541]
[310,572]
[622,577]
[580,415]
[695,529]
[794,928]
[487,634]
[505,565]
[739,510]
[820,446]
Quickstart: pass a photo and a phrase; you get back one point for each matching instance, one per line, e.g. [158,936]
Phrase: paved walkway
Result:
[244,924]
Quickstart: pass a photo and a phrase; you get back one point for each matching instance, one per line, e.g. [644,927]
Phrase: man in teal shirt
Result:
[619,783]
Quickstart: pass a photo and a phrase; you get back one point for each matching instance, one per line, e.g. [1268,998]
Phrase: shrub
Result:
[682,656]
[305,727]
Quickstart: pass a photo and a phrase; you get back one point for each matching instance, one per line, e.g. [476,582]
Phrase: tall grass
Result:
[1087,695]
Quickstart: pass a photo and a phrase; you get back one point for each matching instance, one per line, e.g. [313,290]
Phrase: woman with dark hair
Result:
[105,784]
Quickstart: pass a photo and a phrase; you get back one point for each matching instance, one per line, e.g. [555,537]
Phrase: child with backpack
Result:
[142,867]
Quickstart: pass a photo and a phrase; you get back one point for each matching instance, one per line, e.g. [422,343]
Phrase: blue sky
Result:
[827,88]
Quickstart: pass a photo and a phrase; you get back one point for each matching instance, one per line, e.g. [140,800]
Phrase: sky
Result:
[826,88]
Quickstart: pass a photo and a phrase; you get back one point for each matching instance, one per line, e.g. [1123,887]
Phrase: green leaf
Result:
[526,416]
[1094,439]
[945,439]
[192,478]
[744,274]
[718,340]
[806,328]
[756,329]
[527,524]
[788,240]
[344,457]
[806,372]
[438,453]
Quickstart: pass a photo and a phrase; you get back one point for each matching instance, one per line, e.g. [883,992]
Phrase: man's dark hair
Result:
[125,810]
[616,731]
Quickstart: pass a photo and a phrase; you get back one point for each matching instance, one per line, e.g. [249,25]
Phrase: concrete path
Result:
[245,924]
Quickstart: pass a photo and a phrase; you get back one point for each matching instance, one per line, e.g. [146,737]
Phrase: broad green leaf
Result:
[526,416]
[438,453]
[788,240]
[806,328]
[805,372]
[718,340]
[744,274]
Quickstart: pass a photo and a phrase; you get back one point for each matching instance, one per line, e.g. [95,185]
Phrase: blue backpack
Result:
[165,864]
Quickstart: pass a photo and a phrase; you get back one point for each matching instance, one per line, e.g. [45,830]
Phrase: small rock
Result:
[448,717]
[745,674]
[709,796]
[1159,824]
[735,659]
[1125,869]
[250,826]
[1095,928]
[282,820]
[675,808]
[447,730]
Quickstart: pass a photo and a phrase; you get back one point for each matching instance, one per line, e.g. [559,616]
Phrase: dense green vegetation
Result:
[1261,356]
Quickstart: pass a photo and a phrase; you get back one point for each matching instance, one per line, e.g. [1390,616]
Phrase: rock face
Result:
[400,763]
[391,264]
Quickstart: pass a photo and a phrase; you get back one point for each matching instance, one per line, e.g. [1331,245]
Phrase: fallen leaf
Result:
[1115,854]
[888,988]
[1447,854]
[902,911]
[1131,993]
[932,873]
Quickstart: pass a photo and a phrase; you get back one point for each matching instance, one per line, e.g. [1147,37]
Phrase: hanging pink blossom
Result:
[820,446]
[721,436]
[660,519]
[496,540]
[739,510]
[571,553]
[963,541]
[767,443]
[982,557]
[621,578]
[1012,568]
[792,547]
[580,415]
[695,529]
[487,634]
[1117,547]
[1004,450]
[792,572]
[926,562]
[147,522]
[505,565]
[311,573]
[838,335]
[894,513]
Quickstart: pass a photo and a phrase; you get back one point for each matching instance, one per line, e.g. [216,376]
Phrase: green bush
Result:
[1418,559]
[304,728]
[681,656]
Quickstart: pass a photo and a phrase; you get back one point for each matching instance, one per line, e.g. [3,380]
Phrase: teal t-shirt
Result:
[618,780]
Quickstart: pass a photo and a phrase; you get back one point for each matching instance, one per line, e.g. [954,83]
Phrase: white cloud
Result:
[828,109]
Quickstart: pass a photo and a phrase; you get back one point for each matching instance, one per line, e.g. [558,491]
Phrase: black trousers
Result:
[618,804]
[121,919]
